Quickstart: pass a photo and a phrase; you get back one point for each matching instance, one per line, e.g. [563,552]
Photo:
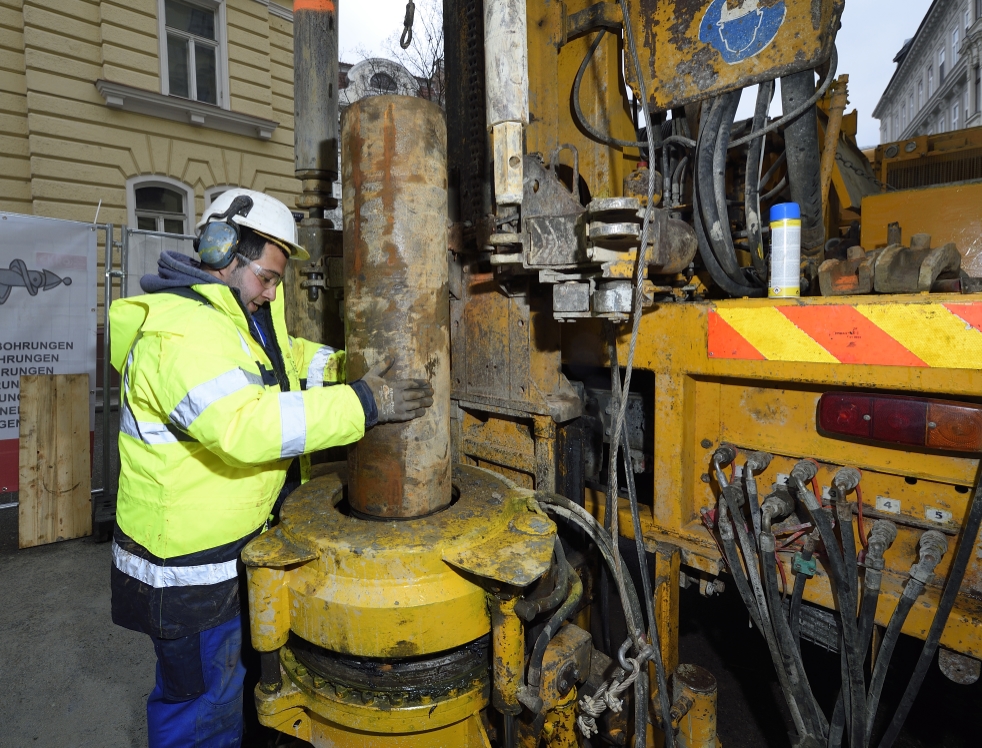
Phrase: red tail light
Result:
[915,421]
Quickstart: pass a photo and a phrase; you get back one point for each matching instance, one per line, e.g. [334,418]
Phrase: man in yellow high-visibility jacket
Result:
[218,407]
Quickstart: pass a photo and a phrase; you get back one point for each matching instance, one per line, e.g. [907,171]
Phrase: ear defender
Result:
[217,242]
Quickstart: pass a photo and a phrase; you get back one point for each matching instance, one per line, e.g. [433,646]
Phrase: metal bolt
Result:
[706,444]
[301,671]
[704,477]
[319,682]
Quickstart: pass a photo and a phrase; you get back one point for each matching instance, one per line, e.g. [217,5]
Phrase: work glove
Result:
[397,399]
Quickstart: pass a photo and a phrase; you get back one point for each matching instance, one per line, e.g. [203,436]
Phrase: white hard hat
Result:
[268,217]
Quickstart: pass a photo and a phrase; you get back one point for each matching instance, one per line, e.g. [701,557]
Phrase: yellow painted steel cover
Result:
[691,49]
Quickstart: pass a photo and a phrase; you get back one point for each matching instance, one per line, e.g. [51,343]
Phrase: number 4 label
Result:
[886,504]
[937,515]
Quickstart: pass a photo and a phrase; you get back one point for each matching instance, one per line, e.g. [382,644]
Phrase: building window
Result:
[192,51]
[955,111]
[978,88]
[910,108]
[930,82]
[968,18]
[383,83]
[954,46]
[941,66]
[158,203]
[920,90]
[941,123]
[160,209]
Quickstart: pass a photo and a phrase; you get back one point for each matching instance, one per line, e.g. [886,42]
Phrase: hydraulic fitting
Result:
[776,504]
[758,461]
[881,537]
[804,470]
[802,565]
[723,456]
[932,546]
[846,479]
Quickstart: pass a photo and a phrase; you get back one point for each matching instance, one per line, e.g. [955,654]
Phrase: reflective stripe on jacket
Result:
[205,439]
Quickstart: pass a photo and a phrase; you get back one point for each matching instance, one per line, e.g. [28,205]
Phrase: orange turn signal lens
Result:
[893,419]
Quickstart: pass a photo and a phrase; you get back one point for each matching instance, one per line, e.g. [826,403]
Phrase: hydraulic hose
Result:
[733,561]
[791,656]
[550,629]
[703,175]
[933,546]
[751,193]
[710,162]
[881,537]
[805,471]
[804,156]
[723,240]
[527,610]
[573,512]
[800,580]
[730,516]
[966,547]
[853,649]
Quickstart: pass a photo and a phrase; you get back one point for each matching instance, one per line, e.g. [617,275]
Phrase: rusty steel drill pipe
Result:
[396,300]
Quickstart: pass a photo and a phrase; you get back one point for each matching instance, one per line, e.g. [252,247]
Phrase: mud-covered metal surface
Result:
[401,680]
[333,715]
[396,295]
[691,49]
[383,588]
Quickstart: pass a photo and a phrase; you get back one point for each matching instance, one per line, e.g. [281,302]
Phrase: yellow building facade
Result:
[152,107]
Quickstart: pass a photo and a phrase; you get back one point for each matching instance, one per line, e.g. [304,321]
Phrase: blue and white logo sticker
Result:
[741,32]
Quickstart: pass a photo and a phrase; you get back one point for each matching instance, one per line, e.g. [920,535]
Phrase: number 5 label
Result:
[937,515]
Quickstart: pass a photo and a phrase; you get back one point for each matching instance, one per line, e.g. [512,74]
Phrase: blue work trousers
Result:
[197,701]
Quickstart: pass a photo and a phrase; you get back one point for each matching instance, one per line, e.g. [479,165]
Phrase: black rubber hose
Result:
[807,704]
[911,592]
[804,158]
[840,578]
[966,546]
[723,242]
[727,538]
[799,590]
[771,169]
[580,117]
[632,608]
[550,629]
[854,649]
[751,193]
[756,606]
[527,610]
[867,618]
[720,277]
[720,119]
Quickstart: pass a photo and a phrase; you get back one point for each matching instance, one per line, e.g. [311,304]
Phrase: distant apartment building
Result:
[937,85]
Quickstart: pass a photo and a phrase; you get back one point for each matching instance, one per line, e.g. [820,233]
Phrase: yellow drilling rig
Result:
[576,252]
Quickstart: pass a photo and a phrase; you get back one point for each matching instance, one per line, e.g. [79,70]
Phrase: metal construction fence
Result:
[128,259]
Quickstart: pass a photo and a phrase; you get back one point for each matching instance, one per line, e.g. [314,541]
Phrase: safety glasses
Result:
[269,278]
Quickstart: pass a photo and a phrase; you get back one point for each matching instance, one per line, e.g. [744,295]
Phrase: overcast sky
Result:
[872,33]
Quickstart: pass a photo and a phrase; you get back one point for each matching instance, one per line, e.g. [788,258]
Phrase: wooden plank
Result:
[55,482]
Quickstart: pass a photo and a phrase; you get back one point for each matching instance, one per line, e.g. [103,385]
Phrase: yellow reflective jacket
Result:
[204,443]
